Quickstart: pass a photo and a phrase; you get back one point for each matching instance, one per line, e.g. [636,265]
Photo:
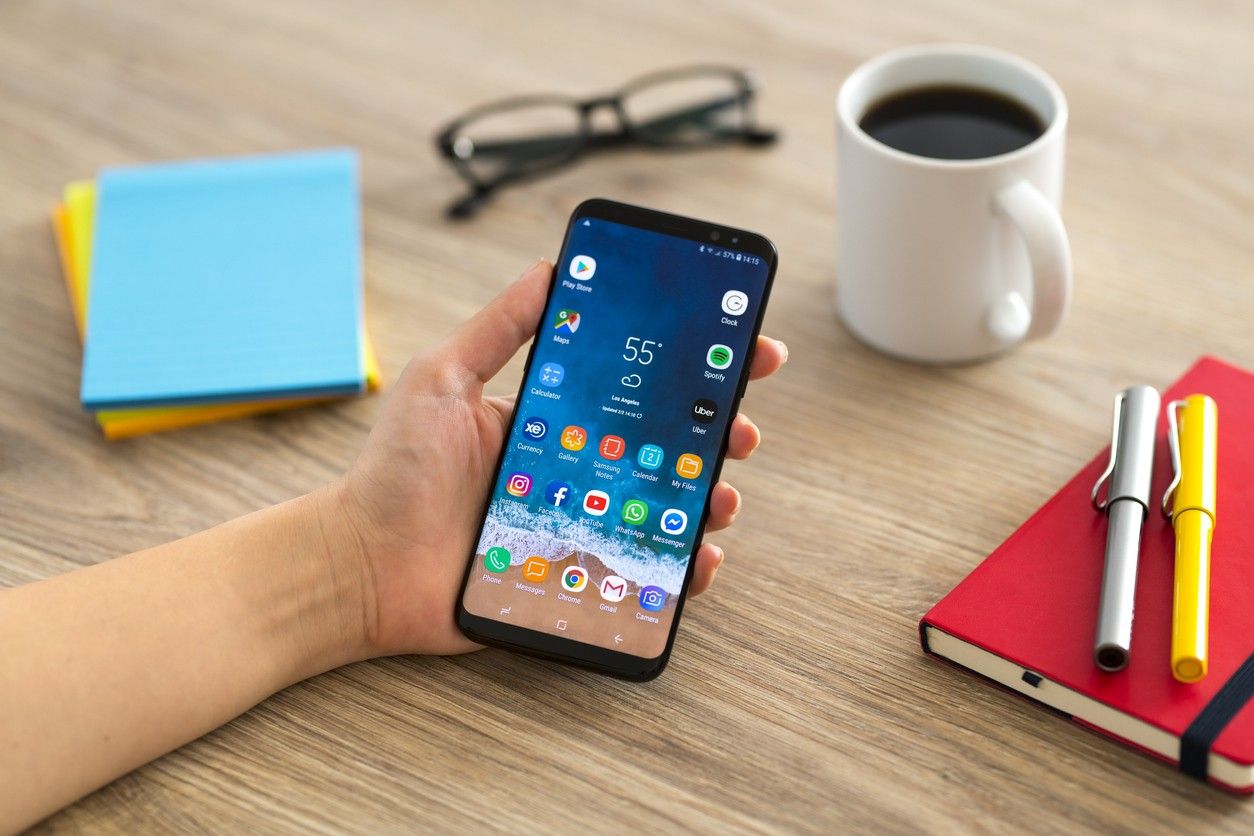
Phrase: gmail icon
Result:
[613,589]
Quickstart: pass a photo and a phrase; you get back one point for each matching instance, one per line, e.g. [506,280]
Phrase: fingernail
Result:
[539,261]
[783,348]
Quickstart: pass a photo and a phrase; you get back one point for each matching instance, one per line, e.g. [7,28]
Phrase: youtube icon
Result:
[596,503]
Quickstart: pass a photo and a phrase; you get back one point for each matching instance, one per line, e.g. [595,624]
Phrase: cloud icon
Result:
[632,380]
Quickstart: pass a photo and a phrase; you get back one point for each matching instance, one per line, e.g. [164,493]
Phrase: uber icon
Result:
[704,410]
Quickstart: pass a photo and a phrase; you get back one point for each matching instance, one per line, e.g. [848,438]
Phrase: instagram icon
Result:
[519,484]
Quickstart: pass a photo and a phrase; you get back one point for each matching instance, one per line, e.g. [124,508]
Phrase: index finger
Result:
[768,356]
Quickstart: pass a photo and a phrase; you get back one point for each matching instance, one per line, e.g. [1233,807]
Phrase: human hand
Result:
[412,502]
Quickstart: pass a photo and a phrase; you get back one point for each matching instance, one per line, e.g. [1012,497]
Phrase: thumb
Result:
[483,344]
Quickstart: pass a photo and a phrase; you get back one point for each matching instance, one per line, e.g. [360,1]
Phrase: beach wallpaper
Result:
[594,516]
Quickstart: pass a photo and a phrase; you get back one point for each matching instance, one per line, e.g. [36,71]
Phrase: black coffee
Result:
[952,123]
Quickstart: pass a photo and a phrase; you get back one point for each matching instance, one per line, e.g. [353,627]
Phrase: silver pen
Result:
[1126,506]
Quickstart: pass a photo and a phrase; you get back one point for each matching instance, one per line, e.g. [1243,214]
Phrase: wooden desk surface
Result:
[798,698]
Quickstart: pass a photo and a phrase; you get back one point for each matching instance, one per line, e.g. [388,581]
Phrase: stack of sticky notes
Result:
[216,289]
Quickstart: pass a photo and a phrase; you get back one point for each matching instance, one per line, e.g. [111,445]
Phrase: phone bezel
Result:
[534,642]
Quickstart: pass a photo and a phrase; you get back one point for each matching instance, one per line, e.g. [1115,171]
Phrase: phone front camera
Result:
[714,235]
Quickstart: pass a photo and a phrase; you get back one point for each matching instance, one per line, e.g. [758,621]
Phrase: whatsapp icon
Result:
[497,559]
[635,511]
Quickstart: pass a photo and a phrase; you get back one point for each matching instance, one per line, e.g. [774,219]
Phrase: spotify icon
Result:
[719,356]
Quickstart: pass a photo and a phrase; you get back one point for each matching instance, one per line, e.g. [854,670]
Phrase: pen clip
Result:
[1173,443]
[1114,453]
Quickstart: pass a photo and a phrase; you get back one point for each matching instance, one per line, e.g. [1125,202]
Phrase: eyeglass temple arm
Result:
[699,113]
[545,146]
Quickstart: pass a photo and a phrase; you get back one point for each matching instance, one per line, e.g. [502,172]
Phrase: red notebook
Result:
[1025,617]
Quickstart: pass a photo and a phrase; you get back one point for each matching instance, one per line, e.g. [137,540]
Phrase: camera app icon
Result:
[652,598]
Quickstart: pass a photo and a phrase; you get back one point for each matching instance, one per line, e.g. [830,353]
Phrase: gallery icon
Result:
[551,374]
[652,598]
[612,447]
[596,503]
[688,465]
[574,438]
[567,321]
[583,267]
[574,579]
[674,521]
[704,410]
[557,493]
[649,457]
[635,511]
[613,588]
[518,484]
[536,569]
[497,559]
[735,302]
[719,356]
[535,428]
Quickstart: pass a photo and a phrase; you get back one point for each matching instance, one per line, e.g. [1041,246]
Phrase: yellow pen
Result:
[1190,505]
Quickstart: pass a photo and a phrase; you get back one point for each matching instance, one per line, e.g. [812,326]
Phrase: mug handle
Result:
[1049,252]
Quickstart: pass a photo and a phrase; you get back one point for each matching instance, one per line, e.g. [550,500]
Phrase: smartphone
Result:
[602,489]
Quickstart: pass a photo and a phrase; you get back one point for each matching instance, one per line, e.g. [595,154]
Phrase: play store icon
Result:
[583,267]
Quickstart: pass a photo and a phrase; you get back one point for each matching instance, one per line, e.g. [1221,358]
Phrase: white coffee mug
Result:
[943,260]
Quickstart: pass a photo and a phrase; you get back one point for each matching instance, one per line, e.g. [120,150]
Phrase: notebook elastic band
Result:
[1206,727]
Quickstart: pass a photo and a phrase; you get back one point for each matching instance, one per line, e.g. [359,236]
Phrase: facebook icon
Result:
[558,494]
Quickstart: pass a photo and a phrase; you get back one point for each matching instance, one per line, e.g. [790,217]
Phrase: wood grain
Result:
[798,699]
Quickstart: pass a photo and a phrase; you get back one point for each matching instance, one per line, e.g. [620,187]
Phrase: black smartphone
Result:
[603,486]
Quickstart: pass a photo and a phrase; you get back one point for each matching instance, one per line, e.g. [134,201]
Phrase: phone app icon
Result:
[551,374]
[735,302]
[574,438]
[535,428]
[574,579]
[635,511]
[688,465]
[536,569]
[704,410]
[719,356]
[652,598]
[613,588]
[558,493]
[567,321]
[518,484]
[612,447]
[649,457]
[497,559]
[596,503]
[583,267]
[674,521]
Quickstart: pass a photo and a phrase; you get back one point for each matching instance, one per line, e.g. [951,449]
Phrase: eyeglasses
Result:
[517,139]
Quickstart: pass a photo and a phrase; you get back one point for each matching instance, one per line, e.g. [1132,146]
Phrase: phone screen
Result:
[617,436]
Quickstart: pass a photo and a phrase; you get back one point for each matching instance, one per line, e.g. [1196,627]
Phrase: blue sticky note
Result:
[225,280]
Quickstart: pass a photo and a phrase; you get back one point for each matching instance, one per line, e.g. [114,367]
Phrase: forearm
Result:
[106,668]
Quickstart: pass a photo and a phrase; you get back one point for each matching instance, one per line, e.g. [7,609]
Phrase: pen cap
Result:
[1134,450]
[1198,421]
